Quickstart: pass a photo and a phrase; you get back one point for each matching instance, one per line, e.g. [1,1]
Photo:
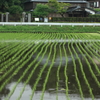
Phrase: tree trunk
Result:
[62,15]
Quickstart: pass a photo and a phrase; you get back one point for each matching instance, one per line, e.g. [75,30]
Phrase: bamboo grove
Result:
[67,63]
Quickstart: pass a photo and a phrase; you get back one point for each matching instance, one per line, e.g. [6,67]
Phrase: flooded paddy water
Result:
[50,71]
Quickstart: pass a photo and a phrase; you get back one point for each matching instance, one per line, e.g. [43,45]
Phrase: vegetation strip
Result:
[83,73]
[14,56]
[49,29]
[33,69]
[65,72]
[76,74]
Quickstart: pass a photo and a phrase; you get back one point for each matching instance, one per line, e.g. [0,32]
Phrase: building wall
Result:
[31,5]
[94,3]
[57,15]
[28,6]
[78,4]
[35,3]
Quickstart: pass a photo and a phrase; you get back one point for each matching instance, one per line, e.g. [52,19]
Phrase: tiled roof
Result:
[69,1]
[71,9]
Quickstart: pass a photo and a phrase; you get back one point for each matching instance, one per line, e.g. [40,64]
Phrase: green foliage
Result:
[97,9]
[15,9]
[41,10]
[91,18]
[95,16]
[49,29]
[6,4]
[53,5]
[58,7]
[62,8]
[79,74]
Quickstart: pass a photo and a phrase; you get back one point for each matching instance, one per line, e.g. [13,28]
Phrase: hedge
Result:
[76,19]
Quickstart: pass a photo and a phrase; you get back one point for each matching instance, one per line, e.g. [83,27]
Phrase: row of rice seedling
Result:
[91,58]
[81,44]
[32,70]
[36,47]
[4,53]
[17,52]
[96,45]
[75,72]
[23,72]
[93,63]
[6,64]
[49,69]
[9,71]
[10,49]
[13,67]
[7,36]
[20,67]
[82,70]
[14,49]
[12,59]
[92,73]
[58,71]
[93,55]
[47,76]
[16,55]
[65,70]
[90,45]
[96,67]
[83,73]
[93,46]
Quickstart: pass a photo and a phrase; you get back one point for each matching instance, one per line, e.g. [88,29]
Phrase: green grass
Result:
[49,29]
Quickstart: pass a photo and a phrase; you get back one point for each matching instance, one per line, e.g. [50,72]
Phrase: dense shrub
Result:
[76,19]
[95,15]
[49,29]
[15,9]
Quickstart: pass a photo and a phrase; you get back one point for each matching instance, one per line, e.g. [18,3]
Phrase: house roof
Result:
[71,9]
[67,1]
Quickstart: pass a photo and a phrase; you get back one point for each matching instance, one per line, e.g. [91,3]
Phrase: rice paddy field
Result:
[49,63]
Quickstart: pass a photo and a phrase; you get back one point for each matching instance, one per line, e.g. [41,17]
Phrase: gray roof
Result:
[68,1]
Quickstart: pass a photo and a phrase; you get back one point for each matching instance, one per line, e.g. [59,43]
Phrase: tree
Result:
[3,5]
[62,8]
[53,5]
[41,10]
[6,4]
[58,7]
[15,9]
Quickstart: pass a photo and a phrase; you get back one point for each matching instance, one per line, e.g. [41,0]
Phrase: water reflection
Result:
[50,93]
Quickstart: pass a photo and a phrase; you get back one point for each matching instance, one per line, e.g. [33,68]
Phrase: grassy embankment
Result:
[49,29]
